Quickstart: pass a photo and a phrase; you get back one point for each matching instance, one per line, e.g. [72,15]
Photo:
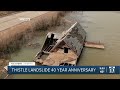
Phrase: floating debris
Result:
[33,45]
[62,50]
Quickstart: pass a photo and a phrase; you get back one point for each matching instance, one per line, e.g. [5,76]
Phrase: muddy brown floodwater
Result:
[100,26]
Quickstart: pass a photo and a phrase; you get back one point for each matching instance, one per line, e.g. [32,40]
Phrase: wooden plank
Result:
[94,45]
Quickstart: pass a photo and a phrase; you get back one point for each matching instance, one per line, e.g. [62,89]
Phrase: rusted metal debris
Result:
[62,49]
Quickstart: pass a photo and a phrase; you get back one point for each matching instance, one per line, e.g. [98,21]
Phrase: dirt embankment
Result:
[3,72]
[13,38]
[6,13]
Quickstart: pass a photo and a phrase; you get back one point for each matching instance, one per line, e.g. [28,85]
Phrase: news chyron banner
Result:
[63,69]
[31,68]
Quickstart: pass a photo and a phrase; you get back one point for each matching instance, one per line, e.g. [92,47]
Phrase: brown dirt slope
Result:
[6,13]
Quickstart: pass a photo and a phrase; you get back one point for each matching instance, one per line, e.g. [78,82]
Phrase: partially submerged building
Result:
[64,50]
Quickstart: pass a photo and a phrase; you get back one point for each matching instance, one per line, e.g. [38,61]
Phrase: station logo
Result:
[102,69]
[111,69]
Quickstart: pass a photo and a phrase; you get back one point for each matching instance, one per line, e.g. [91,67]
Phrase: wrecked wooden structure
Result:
[62,50]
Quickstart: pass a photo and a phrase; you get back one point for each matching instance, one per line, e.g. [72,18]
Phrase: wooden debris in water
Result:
[94,45]
[56,58]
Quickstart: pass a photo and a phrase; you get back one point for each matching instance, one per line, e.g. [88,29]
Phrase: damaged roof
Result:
[74,38]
